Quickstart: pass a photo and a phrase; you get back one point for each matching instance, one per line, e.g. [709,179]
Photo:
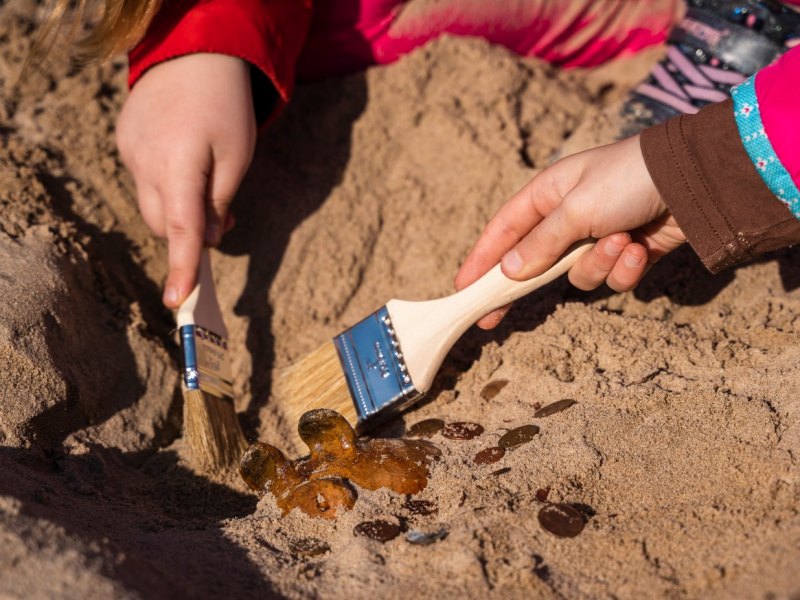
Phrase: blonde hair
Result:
[118,26]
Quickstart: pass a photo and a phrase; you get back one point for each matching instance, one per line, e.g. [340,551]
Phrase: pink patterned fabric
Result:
[778,92]
[349,35]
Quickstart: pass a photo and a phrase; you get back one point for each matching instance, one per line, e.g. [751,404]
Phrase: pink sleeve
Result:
[777,88]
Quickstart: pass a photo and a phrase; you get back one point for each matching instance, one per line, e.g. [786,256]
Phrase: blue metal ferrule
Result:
[373,364]
[189,356]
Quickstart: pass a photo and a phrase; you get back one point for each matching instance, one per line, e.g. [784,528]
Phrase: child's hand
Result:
[187,133]
[604,193]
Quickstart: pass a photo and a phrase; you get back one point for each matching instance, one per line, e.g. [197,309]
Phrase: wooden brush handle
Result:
[427,330]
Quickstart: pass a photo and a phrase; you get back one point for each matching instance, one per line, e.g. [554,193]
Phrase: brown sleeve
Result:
[705,177]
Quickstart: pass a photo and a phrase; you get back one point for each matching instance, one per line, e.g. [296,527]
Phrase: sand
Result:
[682,449]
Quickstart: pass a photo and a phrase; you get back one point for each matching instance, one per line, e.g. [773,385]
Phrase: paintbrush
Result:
[387,361]
[212,430]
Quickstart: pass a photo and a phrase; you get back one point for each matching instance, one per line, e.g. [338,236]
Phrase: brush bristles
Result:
[315,381]
[213,433]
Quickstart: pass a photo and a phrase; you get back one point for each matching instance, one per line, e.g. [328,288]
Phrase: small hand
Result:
[605,193]
[187,133]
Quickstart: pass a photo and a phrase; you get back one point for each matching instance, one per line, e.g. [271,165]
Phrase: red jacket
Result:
[267,33]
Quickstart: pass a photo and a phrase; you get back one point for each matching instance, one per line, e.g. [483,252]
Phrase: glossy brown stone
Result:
[307,547]
[553,408]
[425,429]
[380,530]
[542,494]
[491,389]
[488,456]
[421,507]
[517,437]
[320,484]
[561,520]
[462,431]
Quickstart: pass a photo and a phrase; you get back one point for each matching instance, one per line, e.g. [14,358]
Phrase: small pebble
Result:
[309,547]
[425,429]
[489,455]
[312,571]
[502,471]
[462,431]
[517,437]
[561,520]
[553,408]
[421,538]
[421,507]
[380,530]
[542,494]
[491,389]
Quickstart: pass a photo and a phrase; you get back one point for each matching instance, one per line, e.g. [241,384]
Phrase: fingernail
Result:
[211,234]
[613,248]
[171,295]
[633,260]
[512,262]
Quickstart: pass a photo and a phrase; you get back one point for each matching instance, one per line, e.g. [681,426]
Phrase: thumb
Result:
[184,214]
[539,249]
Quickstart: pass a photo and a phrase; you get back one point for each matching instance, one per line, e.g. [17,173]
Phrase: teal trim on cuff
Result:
[759,148]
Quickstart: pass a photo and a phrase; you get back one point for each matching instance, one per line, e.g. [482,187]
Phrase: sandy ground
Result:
[682,449]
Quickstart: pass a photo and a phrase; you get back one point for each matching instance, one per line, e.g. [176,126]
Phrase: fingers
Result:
[615,260]
[225,175]
[593,268]
[629,269]
[493,319]
[151,207]
[184,216]
[217,223]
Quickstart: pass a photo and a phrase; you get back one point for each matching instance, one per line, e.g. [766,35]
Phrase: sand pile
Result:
[681,450]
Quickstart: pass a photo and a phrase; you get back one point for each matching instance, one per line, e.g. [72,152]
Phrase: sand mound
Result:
[681,450]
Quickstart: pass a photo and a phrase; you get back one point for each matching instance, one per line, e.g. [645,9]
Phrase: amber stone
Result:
[425,429]
[380,530]
[553,408]
[491,389]
[517,437]
[488,456]
[320,484]
[561,519]
[462,431]
[542,494]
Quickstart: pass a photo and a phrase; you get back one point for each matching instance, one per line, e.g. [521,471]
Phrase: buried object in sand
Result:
[425,429]
[561,520]
[491,389]
[462,431]
[553,408]
[321,484]
[518,436]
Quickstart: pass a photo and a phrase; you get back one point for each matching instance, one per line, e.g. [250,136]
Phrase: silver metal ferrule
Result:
[206,365]
[373,364]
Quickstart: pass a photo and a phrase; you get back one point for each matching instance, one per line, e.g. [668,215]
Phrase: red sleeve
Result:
[269,34]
